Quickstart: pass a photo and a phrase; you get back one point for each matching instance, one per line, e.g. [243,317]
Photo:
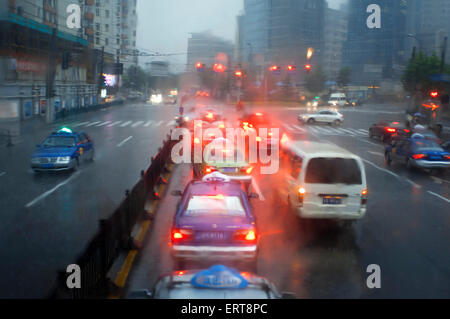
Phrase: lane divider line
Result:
[124,141]
[439,196]
[54,189]
[380,168]
[258,190]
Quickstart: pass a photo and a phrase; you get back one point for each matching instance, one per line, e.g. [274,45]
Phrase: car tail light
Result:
[196,140]
[391,130]
[247,235]
[247,170]
[301,195]
[258,139]
[446,157]
[364,196]
[209,169]
[407,131]
[419,156]
[181,234]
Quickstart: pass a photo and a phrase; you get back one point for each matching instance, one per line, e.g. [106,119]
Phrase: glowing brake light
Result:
[196,140]
[446,157]
[246,235]
[181,234]
[301,191]
[301,195]
[419,156]
[249,170]
[210,116]
[395,123]
[177,235]
[219,197]
[391,130]
[209,170]
[258,139]
[259,114]
[407,131]
[250,236]
[364,194]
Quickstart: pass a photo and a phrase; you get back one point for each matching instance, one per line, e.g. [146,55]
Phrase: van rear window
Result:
[333,171]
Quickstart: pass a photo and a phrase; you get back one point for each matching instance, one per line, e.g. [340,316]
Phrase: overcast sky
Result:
[164,25]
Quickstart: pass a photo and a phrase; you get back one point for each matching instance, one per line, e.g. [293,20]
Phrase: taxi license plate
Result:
[332,201]
[210,236]
[229,170]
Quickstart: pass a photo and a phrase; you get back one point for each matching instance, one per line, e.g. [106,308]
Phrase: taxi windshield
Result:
[217,205]
[59,141]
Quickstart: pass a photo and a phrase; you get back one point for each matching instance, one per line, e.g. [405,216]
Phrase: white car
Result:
[325,116]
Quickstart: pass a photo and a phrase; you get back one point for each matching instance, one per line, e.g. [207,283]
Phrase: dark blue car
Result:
[214,222]
[417,152]
[62,151]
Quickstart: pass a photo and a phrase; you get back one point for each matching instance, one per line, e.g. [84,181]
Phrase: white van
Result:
[324,181]
[337,99]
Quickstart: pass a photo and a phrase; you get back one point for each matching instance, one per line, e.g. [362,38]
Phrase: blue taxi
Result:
[417,151]
[62,151]
[217,282]
[214,222]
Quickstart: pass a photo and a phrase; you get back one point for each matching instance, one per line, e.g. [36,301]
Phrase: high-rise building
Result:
[36,41]
[428,25]
[281,31]
[376,54]
[204,47]
[335,35]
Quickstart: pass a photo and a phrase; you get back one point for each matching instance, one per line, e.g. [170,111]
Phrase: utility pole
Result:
[100,78]
[444,53]
[50,79]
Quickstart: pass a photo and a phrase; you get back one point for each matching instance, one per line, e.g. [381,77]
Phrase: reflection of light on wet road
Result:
[124,141]
[2,173]
[41,197]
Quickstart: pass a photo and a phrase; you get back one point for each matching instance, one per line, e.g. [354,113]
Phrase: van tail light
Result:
[364,196]
[247,235]
[247,170]
[209,169]
[419,156]
[301,195]
[181,235]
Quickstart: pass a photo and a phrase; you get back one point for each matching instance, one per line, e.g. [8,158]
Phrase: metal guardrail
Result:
[114,235]
[79,110]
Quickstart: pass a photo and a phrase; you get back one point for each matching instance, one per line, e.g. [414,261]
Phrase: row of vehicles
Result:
[215,223]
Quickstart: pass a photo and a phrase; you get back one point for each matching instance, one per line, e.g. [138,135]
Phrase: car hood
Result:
[214,223]
[54,152]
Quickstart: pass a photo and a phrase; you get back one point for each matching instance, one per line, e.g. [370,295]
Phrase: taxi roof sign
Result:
[65,130]
[215,177]
[219,277]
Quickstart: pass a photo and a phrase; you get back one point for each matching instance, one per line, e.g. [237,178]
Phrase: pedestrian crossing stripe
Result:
[137,124]
[126,123]
[92,124]
[114,124]
[104,123]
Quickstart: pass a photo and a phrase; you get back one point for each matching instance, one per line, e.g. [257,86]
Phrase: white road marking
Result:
[347,131]
[313,129]
[322,130]
[376,153]
[364,131]
[2,174]
[380,168]
[171,123]
[362,140]
[148,123]
[355,131]
[104,123]
[81,124]
[301,129]
[439,196]
[413,184]
[439,180]
[137,124]
[124,141]
[159,123]
[258,190]
[288,127]
[41,197]
[126,123]
[114,124]
[92,124]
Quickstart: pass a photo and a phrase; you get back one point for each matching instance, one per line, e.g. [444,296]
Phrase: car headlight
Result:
[63,160]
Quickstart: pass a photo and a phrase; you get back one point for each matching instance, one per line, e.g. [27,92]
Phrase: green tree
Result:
[344,77]
[315,82]
[418,72]
[135,78]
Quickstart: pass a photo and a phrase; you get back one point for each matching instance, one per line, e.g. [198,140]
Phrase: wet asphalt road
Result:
[47,219]
[405,231]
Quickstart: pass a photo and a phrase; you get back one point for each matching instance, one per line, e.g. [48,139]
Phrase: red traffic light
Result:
[219,68]
[434,94]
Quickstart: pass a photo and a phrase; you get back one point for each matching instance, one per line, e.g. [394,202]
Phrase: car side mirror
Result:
[177,193]
[253,195]
[288,295]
